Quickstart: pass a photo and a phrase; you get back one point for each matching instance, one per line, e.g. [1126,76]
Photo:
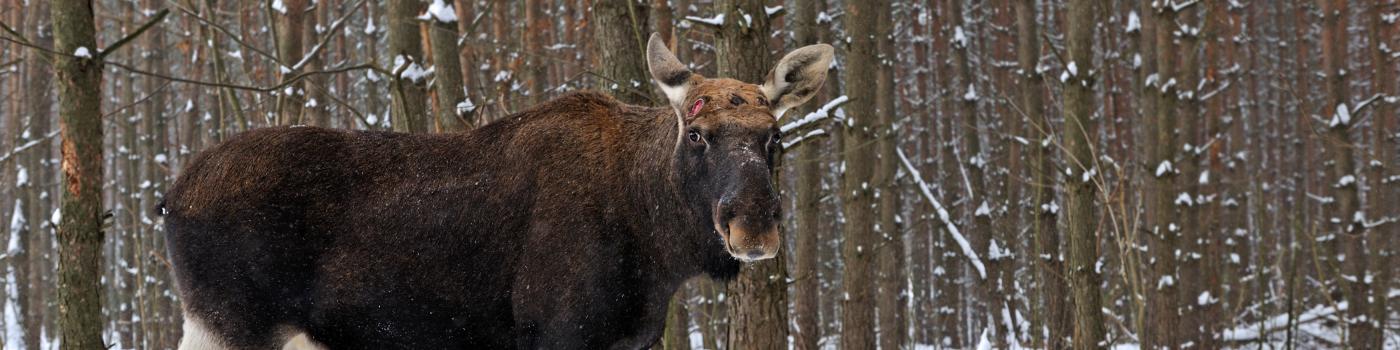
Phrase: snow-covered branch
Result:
[27,145]
[943,216]
[816,116]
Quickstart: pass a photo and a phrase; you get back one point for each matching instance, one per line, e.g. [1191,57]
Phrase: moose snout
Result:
[750,231]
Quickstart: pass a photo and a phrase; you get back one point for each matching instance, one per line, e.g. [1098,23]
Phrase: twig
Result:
[137,102]
[27,145]
[101,54]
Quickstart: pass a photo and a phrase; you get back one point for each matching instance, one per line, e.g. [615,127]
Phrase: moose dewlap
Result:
[567,225]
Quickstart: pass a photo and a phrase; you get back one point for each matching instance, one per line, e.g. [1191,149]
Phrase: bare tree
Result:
[79,77]
[857,250]
[408,84]
[1080,134]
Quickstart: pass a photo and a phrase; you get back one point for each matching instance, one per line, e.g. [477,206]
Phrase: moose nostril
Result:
[755,253]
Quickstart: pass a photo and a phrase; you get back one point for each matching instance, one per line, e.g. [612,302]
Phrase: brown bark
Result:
[1383,198]
[536,67]
[1053,293]
[80,232]
[857,306]
[1081,132]
[1163,326]
[619,26]
[290,34]
[447,79]
[758,297]
[410,96]
[1347,230]
[807,167]
[889,250]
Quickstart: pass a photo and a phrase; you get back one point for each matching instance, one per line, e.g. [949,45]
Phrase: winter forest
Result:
[1043,174]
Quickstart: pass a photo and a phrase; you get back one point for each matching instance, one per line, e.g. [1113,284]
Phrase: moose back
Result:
[568,225]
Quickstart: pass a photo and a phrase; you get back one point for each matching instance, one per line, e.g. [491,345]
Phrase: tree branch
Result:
[127,40]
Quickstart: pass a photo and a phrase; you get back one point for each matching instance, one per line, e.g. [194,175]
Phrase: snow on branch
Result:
[717,20]
[943,216]
[27,145]
[817,115]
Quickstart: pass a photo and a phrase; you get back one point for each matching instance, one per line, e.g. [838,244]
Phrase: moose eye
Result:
[778,138]
[694,136]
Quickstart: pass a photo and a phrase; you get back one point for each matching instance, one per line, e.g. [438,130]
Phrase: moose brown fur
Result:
[568,225]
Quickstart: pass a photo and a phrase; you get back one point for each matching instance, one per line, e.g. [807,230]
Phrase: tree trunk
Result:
[1081,132]
[619,28]
[453,113]
[758,297]
[408,83]
[1383,199]
[857,307]
[1348,229]
[80,231]
[1049,266]
[536,67]
[891,296]
[290,32]
[807,167]
[1164,327]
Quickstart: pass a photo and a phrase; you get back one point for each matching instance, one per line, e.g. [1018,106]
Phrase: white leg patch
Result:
[198,337]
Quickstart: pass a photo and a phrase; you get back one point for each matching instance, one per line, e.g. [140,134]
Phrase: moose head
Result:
[728,140]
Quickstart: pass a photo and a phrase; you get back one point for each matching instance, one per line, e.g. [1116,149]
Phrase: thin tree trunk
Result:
[453,113]
[1049,267]
[290,32]
[80,233]
[806,329]
[1080,132]
[1164,326]
[857,306]
[1348,229]
[408,85]
[1383,199]
[619,28]
[758,297]
[891,296]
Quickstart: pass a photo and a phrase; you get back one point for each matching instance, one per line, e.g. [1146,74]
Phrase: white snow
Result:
[1184,200]
[943,216]
[1204,299]
[413,72]
[442,12]
[1050,208]
[959,38]
[717,20]
[280,7]
[1164,168]
[1345,181]
[983,210]
[82,51]
[21,177]
[1072,68]
[1166,281]
[466,106]
[1134,24]
[772,10]
[971,94]
[1342,118]
[817,115]
[984,343]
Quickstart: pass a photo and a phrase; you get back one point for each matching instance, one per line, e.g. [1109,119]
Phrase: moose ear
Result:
[668,72]
[797,77]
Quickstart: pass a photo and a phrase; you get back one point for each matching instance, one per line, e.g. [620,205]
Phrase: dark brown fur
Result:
[565,226]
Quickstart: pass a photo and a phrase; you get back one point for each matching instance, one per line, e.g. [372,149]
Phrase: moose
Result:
[565,226]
